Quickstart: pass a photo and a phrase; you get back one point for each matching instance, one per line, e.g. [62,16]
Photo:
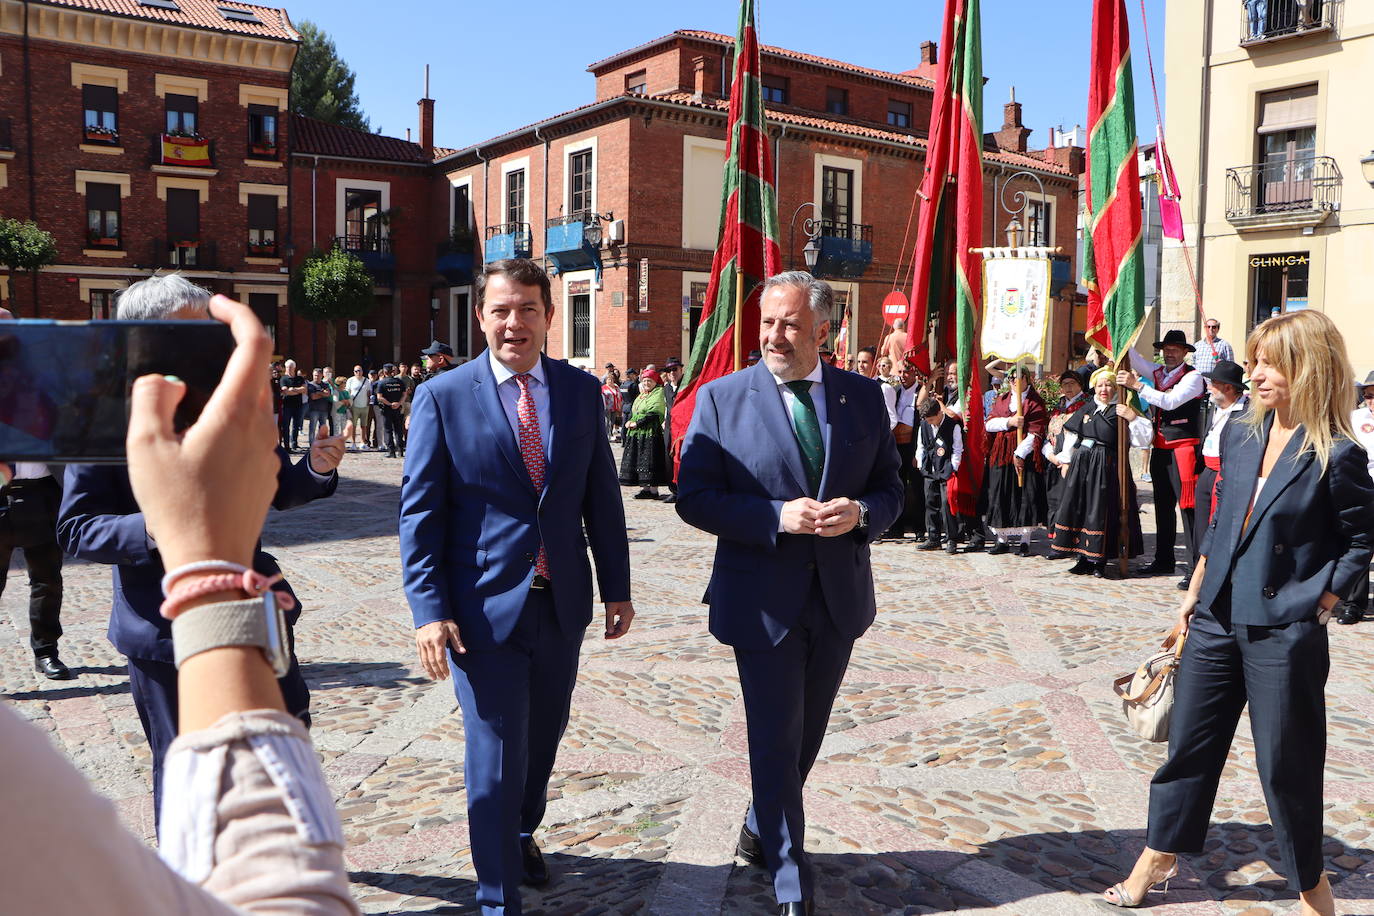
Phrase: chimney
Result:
[427,120]
[929,53]
[699,79]
[1014,134]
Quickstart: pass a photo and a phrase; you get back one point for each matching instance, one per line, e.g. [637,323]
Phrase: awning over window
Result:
[1288,109]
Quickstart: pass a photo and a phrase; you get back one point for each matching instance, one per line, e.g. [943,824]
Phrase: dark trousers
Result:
[395,430]
[295,419]
[938,518]
[44,563]
[1359,595]
[1281,671]
[1167,487]
[515,700]
[912,497]
[789,690]
[153,685]
[1206,479]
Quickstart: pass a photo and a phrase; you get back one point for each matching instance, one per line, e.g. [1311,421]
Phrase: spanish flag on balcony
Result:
[185,150]
[1113,263]
[747,253]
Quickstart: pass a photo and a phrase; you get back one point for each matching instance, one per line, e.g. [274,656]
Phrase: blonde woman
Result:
[1293,528]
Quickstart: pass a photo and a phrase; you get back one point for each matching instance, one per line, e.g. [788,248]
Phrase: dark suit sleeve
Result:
[424,503]
[884,494]
[1352,493]
[704,497]
[603,514]
[297,484]
[95,522]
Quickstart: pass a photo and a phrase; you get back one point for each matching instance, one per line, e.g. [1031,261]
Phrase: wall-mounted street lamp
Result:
[1367,168]
[811,251]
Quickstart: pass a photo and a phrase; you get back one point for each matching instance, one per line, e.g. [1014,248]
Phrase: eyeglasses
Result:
[1213,327]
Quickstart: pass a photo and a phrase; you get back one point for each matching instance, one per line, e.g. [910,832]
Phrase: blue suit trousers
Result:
[789,690]
[515,699]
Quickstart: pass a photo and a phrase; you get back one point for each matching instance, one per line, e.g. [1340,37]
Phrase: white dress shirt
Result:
[1363,421]
[509,389]
[1211,446]
[901,405]
[999,425]
[1140,429]
[1191,386]
[817,398]
[956,456]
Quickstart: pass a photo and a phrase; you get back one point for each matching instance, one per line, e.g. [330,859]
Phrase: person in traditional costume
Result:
[1362,420]
[1087,523]
[1175,394]
[645,460]
[939,451]
[1015,479]
[1072,397]
[967,527]
[1230,401]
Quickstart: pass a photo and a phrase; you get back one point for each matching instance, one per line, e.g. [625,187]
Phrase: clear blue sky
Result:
[498,66]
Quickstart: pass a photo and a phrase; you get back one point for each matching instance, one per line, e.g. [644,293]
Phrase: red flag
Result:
[748,252]
[947,284]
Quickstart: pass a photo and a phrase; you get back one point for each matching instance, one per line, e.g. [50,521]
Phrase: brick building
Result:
[622,196]
[146,135]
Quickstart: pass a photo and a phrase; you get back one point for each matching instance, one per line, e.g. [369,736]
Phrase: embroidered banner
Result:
[1015,308]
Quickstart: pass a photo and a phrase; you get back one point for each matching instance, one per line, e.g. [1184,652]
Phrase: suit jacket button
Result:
[1278,549]
[1269,591]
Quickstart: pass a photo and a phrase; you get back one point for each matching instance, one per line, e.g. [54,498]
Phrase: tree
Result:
[321,83]
[329,286]
[23,246]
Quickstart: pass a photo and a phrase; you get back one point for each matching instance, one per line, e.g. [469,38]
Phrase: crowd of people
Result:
[501,531]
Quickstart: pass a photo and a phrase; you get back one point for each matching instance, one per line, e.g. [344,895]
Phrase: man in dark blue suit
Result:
[508,465]
[792,464]
[100,521]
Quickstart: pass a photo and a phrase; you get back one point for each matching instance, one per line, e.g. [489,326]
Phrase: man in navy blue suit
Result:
[100,521]
[792,465]
[508,465]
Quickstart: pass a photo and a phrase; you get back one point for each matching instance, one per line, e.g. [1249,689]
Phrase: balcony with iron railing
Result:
[1288,193]
[453,258]
[1262,22]
[184,254]
[507,240]
[373,250]
[573,242]
[846,250]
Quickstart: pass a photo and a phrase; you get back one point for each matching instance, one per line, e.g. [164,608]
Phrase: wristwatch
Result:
[249,622]
[863,514]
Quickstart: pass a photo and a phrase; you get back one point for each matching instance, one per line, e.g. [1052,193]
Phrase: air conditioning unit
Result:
[615,234]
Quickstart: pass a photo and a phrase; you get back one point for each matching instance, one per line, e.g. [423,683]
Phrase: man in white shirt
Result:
[1229,401]
[1362,418]
[359,388]
[29,500]
[901,415]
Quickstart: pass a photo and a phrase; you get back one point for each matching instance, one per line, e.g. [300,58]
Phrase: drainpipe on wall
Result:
[1205,118]
[28,117]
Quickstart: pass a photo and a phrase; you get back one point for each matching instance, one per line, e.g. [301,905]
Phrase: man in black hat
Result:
[1230,401]
[1176,401]
[1362,419]
[1072,397]
[438,358]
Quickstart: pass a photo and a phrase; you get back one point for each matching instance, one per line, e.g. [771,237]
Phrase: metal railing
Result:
[371,244]
[1266,20]
[591,226]
[1303,184]
[857,232]
[183,254]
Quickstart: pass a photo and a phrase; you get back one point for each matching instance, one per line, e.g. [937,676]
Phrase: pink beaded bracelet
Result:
[251,582]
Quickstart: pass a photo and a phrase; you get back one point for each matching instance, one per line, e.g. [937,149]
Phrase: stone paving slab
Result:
[976,760]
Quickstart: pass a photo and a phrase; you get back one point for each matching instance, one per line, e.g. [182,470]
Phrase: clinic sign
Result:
[1279,260]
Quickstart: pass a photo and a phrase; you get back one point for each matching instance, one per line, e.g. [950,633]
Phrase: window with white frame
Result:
[580,178]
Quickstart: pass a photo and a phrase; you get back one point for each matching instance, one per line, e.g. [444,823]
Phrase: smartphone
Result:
[64,385]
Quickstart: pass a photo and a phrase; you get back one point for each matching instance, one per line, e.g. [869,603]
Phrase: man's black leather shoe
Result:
[750,848]
[51,667]
[797,908]
[930,544]
[1349,614]
[998,548]
[1158,569]
[1023,550]
[536,872]
[952,548]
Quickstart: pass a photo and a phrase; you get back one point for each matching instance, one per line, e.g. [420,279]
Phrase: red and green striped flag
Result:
[747,253]
[1113,266]
[947,281]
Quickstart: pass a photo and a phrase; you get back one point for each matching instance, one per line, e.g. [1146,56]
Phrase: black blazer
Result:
[1310,532]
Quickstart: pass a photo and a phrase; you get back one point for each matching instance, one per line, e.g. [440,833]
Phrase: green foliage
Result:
[330,285]
[321,83]
[23,246]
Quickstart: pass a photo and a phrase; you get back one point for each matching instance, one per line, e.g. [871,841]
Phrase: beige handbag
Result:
[1147,694]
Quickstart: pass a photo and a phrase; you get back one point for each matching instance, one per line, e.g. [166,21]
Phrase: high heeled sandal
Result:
[1124,899]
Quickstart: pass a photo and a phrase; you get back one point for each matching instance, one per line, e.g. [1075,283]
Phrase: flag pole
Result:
[1021,414]
[739,313]
[1123,474]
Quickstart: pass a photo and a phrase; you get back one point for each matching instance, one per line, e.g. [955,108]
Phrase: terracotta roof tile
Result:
[790,116]
[196,14]
[718,38]
[315,137]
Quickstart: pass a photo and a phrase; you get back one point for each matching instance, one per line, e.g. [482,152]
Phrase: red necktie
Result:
[532,451]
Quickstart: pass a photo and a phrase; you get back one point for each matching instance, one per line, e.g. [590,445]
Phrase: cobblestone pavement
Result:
[976,760]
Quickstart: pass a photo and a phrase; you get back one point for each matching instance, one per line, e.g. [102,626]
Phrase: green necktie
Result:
[808,430]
